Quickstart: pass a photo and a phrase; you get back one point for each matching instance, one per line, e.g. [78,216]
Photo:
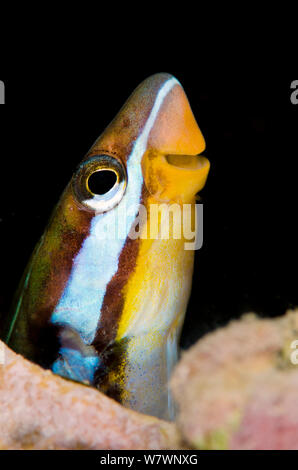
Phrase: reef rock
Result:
[39,410]
[237,388]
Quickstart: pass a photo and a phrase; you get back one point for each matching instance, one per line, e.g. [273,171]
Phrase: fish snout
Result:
[173,167]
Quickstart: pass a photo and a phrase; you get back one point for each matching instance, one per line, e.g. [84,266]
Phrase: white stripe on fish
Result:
[97,261]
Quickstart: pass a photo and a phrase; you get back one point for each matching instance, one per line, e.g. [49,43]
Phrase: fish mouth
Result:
[188,162]
[175,177]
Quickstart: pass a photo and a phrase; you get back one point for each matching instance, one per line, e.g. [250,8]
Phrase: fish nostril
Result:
[100,182]
[187,162]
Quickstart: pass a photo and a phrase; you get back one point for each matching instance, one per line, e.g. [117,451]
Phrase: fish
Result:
[103,298]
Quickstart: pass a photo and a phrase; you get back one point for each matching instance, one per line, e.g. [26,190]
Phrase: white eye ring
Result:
[105,202]
[99,202]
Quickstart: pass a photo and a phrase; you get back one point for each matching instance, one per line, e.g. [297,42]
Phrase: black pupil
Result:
[102,181]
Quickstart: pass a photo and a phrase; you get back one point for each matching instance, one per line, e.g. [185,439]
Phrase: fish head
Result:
[152,145]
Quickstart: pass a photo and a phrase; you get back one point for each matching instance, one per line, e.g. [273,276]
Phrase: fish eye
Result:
[99,183]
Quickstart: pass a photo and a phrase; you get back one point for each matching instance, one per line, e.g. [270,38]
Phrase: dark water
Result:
[248,261]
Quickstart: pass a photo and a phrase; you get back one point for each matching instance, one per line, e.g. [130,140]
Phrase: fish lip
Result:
[187,162]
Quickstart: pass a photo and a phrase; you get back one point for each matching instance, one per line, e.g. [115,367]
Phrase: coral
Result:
[237,388]
[39,410]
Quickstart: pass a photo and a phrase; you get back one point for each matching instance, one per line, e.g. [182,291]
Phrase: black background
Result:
[248,261]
